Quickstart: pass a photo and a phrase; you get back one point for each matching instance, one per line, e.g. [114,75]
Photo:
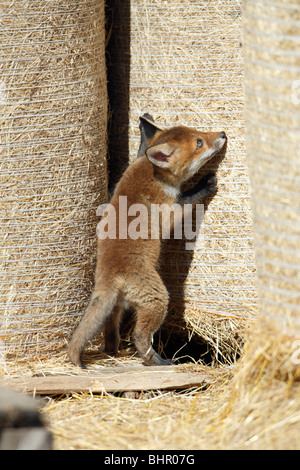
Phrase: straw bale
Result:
[256,403]
[239,410]
[182,62]
[53,167]
[264,394]
[272,62]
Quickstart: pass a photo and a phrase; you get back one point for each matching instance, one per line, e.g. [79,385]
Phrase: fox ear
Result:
[160,154]
[148,130]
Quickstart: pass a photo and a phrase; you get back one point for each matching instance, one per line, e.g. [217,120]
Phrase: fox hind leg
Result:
[150,314]
[111,331]
[99,308]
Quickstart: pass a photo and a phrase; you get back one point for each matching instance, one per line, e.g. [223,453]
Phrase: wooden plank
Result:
[112,379]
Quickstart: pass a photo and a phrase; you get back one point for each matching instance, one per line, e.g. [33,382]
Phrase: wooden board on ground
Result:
[111,379]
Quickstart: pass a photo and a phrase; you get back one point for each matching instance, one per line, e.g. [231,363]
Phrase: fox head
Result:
[178,152]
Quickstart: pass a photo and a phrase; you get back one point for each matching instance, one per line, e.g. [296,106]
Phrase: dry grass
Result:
[53,167]
[233,413]
[252,405]
[215,419]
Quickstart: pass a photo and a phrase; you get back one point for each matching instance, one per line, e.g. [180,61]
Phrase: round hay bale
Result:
[53,167]
[182,62]
[272,35]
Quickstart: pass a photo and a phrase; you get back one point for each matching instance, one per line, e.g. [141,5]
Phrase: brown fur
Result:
[127,270]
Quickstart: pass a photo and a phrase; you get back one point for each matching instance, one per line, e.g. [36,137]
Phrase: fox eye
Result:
[199,143]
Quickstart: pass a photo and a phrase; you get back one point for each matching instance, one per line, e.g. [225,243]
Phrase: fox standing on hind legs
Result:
[127,269]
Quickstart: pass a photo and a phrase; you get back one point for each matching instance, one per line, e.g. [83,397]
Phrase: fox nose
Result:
[223,135]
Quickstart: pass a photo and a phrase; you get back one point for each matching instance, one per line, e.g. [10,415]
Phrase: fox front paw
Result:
[206,187]
[211,184]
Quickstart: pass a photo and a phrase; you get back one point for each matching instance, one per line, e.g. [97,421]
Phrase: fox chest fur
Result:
[138,189]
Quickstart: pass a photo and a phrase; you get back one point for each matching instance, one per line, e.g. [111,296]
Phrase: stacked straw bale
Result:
[182,62]
[272,35]
[53,172]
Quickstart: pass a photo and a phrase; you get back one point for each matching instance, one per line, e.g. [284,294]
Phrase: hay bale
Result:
[182,62]
[273,146]
[53,170]
[263,404]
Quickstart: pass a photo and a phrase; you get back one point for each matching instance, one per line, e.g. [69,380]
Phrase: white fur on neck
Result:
[197,164]
[171,190]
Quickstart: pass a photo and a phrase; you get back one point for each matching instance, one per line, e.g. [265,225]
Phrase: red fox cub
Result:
[127,267]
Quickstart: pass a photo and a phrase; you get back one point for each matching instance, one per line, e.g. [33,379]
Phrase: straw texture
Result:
[182,62]
[272,34]
[53,118]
